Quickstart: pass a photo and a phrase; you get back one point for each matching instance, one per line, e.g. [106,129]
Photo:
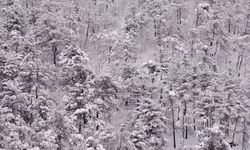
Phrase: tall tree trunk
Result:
[80,126]
[194,124]
[37,76]
[179,16]
[178,115]
[173,121]
[120,143]
[161,57]
[234,131]
[245,136]
[87,34]
[109,59]
[54,49]
[184,127]
[212,40]
[192,49]
[197,18]
[194,107]
[247,24]
[239,62]
[155,28]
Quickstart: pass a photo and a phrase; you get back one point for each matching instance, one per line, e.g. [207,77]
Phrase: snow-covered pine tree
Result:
[149,126]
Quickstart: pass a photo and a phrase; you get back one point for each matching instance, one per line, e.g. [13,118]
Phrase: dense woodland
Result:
[124,74]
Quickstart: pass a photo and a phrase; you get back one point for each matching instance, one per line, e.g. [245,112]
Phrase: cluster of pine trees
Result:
[159,73]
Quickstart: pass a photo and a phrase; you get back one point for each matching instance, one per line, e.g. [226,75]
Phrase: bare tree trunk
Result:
[197,18]
[212,40]
[109,59]
[184,127]
[87,34]
[239,62]
[155,28]
[54,49]
[192,49]
[245,136]
[235,126]
[142,39]
[173,121]
[37,76]
[194,107]
[120,143]
[186,136]
[80,126]
[179,16]
[247,24]
[178,116]
[194,124]
[161,89]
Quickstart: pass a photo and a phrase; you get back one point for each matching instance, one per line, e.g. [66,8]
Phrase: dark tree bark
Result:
[173,121]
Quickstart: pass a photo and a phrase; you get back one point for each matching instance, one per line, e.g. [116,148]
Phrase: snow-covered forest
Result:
[124,74]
